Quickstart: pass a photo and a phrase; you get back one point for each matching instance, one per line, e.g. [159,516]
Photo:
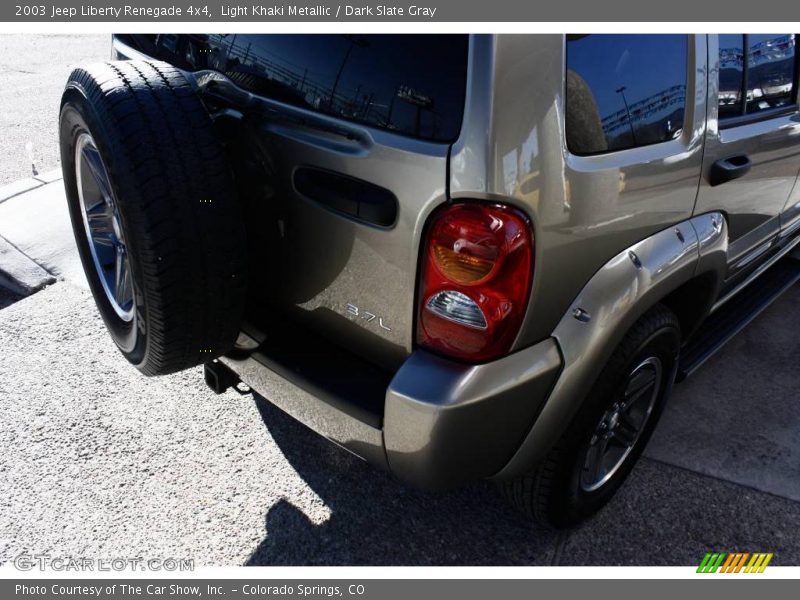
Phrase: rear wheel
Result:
[605,439]
[154,213]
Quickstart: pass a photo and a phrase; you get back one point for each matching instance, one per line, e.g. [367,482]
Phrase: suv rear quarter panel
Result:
[585,209]
[347,279]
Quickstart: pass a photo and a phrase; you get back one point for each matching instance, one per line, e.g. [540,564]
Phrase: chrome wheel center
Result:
[622,424]
[102,226]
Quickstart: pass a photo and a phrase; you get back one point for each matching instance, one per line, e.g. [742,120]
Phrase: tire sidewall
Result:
[78,117]
[573,503]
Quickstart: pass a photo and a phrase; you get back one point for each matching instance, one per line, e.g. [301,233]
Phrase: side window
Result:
[731,75]
[624,91]
[757,72]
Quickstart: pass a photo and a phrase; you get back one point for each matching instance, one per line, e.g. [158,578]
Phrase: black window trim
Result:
[763,115]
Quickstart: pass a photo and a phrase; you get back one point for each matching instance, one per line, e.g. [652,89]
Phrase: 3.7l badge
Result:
[353,311]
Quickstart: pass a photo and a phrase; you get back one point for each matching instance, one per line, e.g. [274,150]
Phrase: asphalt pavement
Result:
[34,69]
[101,461]
[7,297]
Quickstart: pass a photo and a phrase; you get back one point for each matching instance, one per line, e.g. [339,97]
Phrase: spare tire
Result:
[154,213]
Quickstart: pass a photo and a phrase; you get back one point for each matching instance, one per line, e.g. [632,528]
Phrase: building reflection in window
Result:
[411,84]
[624,90]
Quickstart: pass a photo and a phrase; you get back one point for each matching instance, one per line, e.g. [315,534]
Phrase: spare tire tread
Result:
[181,219]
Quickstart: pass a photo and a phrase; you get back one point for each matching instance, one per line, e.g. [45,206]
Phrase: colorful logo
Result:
[734,562]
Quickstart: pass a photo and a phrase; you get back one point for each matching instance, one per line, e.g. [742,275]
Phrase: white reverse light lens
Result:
[457,307]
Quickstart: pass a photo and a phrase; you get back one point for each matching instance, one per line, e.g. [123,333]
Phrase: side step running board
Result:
[736,314]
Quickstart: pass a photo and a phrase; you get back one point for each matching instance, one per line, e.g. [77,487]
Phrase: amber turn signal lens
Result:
[460,267]
[467,243]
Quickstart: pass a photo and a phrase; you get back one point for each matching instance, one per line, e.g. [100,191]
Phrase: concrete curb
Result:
[19,273]
[50,176]
[21,186]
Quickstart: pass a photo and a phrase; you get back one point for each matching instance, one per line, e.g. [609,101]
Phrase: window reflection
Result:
[411,84]
[770,71]
[624,90]
[731,75]
[766,70]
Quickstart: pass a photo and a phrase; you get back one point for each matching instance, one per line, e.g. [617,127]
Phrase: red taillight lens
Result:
[476,278]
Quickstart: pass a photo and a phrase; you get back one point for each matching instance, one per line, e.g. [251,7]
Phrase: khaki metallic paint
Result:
[614,298]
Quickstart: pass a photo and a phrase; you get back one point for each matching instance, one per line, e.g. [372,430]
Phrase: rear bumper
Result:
[442,423]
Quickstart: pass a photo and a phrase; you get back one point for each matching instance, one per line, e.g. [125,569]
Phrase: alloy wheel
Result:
[622,424]
[101,222]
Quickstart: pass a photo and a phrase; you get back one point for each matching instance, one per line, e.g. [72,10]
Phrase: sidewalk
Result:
[36,242]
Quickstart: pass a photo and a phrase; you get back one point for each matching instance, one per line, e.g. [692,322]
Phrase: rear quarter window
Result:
[624,91]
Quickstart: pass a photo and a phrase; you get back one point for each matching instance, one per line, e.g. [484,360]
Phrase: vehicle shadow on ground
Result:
[663,515]
[376,520]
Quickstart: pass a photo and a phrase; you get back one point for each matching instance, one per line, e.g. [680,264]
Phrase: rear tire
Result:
[151,195]
[568,486]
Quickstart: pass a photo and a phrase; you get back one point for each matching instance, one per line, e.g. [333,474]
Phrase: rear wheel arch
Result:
[552,491]
[660,269]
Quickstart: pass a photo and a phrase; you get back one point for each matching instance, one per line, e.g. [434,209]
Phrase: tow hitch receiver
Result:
[219,378]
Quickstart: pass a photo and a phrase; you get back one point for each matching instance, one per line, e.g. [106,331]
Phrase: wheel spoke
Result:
[104,238]
[122,279]
[628,421]
[596,462]
[639,385]
[624,435]
[92,158]
[101,229]
[99,215]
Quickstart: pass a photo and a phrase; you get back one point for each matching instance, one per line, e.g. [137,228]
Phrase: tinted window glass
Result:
[731,75]
[411,84]
[764,64]
[624,90]
[770,71]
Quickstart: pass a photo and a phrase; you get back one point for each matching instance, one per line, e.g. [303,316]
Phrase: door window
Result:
[757,73]
[624,91]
